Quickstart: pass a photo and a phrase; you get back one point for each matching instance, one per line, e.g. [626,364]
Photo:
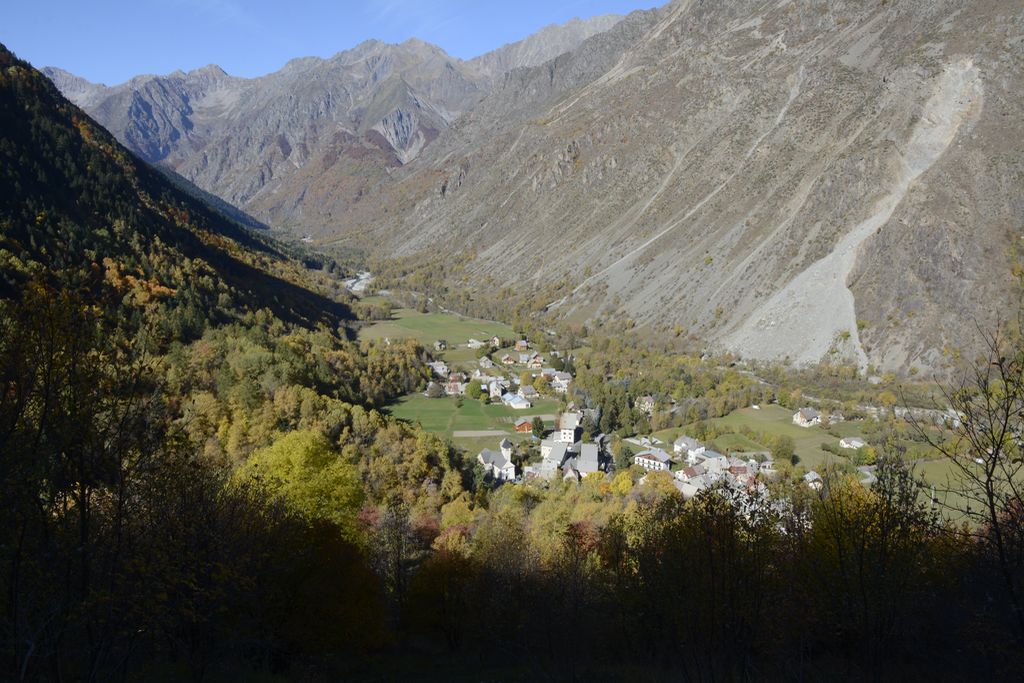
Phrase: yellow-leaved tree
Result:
[310,476]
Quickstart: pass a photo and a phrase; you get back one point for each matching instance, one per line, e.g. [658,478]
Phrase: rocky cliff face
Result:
[799,180]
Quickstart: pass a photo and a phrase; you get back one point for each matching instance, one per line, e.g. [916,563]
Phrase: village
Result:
[563,454]
[509,402]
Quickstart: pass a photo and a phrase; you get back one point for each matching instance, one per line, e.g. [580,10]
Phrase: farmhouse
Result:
[806,417]
[522,345]
[715,464]
[528,392]
[523,425]
[560,382]
[439,367]
[553,455]
[587,462]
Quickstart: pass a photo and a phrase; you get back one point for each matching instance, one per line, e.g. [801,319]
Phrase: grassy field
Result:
[738,443]
[776,420]
[446,415]
[474,444]
[429,327]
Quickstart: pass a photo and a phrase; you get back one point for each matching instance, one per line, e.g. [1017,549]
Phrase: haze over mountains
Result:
[795,180]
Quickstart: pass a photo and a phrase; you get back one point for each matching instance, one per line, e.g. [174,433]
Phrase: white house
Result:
[495,390]
[568,428]
[715,465]
[655,460]
[689,473]
[440,368]
[813,479]
[528,392]
[852,442]
[553,455]
[518,403]
[688,447]
[498,463]
[806,417]
[560,382]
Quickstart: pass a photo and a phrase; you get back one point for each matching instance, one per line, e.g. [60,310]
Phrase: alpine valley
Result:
[685,345]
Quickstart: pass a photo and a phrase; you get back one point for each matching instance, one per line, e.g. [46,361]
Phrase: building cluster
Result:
[697,468]
[564,455]
[499,387]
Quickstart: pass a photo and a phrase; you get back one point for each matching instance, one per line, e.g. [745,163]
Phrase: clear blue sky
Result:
[108,41]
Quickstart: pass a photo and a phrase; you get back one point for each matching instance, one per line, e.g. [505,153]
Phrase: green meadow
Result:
[448,415]
[429,327]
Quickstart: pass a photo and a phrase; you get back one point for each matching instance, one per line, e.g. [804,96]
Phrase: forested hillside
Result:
[77,203]
[186,435]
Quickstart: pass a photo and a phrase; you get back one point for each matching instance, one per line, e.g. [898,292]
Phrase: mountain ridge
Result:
[351,117]
[705,165]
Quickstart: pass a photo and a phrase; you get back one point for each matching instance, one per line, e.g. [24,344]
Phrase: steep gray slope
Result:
[801,180]
[544,45]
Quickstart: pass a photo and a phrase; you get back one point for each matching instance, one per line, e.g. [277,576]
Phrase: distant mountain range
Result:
[806,181]
[319,132]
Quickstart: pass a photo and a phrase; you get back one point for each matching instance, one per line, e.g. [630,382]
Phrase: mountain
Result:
[298,147]
[802,181]
[81,208]
[796,182]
